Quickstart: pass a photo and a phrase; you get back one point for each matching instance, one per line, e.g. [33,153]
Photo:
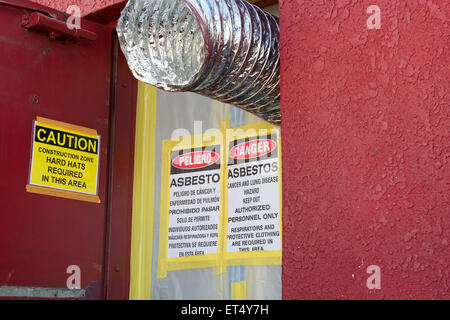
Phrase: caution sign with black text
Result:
[191,204]
[64,161]
[194,206]
[253,222]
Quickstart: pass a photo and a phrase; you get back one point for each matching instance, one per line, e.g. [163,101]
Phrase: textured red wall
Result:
[100,11]
[86,6]
[365,149]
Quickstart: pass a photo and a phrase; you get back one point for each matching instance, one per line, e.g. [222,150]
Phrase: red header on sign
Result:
[195,160]
[253,149]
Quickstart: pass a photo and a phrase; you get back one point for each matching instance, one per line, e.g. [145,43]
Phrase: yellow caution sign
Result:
[65,158]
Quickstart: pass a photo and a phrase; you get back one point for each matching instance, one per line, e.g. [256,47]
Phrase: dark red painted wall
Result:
[365,149]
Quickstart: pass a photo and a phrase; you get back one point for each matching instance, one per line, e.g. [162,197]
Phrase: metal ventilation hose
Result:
[227,50]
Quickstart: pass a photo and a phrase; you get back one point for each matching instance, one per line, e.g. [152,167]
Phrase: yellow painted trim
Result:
[221,263]
[143,194]
[239,290]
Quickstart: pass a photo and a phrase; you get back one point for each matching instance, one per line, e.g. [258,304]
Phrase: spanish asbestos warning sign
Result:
[64,159]
[194,204]
[253,194]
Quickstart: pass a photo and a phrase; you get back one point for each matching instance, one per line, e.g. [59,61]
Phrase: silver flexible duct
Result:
[227,50]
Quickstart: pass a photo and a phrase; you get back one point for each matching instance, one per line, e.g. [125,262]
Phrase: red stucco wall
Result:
[100,11]
[365,149]
[86,6]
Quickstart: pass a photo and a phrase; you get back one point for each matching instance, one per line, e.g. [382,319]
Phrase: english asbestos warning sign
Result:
[194,204]
[64,157]
[253,194]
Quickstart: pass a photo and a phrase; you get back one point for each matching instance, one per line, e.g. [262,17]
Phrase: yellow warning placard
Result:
[191,203]
[64,158]
[252,199]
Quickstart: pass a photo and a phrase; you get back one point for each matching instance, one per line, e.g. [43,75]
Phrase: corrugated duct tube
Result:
[227,50]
